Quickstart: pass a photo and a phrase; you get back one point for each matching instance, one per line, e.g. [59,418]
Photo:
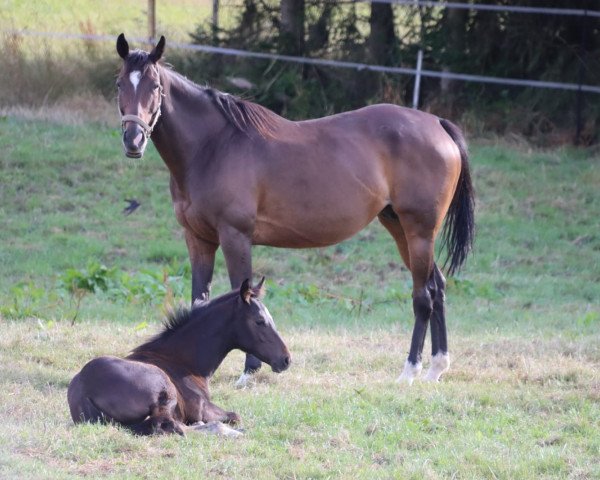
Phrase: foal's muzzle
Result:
[281,364]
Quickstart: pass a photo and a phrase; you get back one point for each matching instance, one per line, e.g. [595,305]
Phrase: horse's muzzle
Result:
[281,364]
[134,142]
[133,154]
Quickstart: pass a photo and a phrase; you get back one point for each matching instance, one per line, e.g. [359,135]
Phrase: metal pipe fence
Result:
[418,72]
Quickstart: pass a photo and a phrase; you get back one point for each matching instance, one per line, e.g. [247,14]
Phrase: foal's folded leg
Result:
[216,428]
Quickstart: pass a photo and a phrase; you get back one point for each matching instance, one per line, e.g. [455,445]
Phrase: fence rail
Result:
[492,8]
[327,63]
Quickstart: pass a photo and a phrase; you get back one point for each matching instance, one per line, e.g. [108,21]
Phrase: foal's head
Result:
[255,331]
[140,95]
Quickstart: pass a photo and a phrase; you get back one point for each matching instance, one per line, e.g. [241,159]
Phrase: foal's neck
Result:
[203,342]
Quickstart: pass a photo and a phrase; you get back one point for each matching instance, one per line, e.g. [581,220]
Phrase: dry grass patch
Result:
[78,109]
[508,408]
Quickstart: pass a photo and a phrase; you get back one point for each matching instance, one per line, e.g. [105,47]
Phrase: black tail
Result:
[459,228]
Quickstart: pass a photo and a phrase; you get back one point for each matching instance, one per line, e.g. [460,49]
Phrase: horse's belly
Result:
[308,231]
[325,214]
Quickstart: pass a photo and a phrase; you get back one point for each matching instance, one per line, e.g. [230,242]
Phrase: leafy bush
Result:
[94,278]
[152,286]
[27,301]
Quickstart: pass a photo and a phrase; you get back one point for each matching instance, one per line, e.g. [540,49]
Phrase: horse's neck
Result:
[189,121]
[199,346]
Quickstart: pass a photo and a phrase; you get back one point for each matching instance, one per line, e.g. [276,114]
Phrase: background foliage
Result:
[515,45]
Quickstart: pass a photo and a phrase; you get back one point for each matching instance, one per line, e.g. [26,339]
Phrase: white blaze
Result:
[134,78]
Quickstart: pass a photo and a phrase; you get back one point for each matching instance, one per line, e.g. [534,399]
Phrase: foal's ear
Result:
[122,46]
[158,51]
[246,291]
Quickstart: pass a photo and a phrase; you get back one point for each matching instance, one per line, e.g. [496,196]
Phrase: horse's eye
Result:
[156,85]
[118,84]
[261,321]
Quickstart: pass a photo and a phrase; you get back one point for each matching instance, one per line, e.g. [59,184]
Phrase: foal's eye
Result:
[261,321]
[118,84]
[155,86]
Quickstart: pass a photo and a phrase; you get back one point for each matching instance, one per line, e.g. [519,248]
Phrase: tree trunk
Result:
[455,25]
[382,38]
[291,29]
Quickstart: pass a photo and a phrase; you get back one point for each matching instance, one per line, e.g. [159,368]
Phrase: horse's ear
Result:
[122,46]
[158,51]
[246,291]
[260,289]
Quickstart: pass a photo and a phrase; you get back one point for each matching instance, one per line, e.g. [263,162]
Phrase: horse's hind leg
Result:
[440,360]
[81,407]
[161,419]
[416,243]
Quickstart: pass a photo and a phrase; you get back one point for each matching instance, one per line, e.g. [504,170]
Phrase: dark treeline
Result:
[501,44]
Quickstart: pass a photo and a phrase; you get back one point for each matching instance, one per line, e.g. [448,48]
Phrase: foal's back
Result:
[136,391]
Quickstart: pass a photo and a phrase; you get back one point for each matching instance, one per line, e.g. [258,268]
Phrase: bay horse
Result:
[240,175]
[162,386]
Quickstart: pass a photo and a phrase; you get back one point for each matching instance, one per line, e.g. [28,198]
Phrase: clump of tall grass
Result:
[38,77]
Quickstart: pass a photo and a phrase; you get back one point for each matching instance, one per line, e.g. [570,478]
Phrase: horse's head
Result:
[140,95]
[255,330]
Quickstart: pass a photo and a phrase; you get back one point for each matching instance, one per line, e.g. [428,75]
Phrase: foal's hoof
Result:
[233,418]
[410,372]
[216,428]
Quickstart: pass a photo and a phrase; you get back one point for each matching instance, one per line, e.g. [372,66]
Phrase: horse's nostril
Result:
[139,139]
[287,361]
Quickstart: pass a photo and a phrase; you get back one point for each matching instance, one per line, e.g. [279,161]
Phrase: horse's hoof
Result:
[440,362]
[233,418]
[218,428]
[244,381]
[409,373]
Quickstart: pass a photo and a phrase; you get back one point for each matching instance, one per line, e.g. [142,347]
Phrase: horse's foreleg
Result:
[212,413]
[440,360]
[202,259]
[237,249]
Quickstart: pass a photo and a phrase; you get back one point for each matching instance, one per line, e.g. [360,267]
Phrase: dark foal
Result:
[242,175]
[162,387]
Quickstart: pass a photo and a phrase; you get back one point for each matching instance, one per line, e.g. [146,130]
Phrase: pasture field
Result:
[80,279]
[173,18]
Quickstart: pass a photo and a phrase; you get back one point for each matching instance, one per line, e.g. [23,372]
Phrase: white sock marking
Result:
[134,78]
[440,362]
[410,372]
[244,380]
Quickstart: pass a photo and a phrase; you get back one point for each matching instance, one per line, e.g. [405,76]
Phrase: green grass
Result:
[174,18]
[522,398]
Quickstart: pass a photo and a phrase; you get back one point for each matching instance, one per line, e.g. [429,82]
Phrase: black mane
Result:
[243,114]
[176,319]
[180,317]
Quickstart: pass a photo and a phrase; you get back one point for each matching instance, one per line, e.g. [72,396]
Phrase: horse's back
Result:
[335,174]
